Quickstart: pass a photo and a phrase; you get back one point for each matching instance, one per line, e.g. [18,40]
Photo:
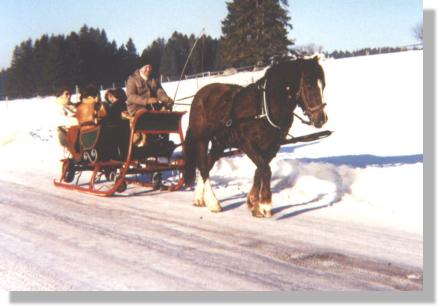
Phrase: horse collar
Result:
[265,109]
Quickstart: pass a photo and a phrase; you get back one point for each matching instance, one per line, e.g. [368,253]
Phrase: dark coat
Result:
[114,112]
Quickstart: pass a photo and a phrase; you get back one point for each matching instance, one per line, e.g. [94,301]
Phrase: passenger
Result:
[68,129]
[90,110]
[66,108]
[144,91]
[116,129]
[115,104]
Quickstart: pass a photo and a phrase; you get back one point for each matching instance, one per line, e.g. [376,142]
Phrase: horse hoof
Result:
[199,203]
[215,208]
[263,211]
[257,214]
[266,210]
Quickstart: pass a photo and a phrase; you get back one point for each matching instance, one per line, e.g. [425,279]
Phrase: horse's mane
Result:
[286,64]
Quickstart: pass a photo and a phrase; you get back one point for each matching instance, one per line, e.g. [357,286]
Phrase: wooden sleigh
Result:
[113,160]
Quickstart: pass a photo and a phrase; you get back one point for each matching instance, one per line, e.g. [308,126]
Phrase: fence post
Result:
[77,93]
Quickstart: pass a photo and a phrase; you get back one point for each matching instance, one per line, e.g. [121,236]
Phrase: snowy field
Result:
[370,170]
[348,209]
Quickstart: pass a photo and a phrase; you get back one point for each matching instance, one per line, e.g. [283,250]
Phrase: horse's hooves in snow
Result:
[199,203]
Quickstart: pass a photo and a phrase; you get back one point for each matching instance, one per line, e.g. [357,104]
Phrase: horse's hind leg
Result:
[215,153]
[204,195]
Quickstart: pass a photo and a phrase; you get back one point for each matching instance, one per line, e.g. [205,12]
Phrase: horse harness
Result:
[308,111]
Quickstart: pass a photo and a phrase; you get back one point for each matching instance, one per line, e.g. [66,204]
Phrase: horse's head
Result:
[311,99]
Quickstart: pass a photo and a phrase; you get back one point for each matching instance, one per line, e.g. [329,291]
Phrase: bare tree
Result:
[310,49]
[418,31]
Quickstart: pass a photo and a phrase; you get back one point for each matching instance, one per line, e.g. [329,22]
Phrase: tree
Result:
[3,77]
[418,32]
[130,58]
[175,54]
[310,49]
[204,54]
[20,81]
[255,31]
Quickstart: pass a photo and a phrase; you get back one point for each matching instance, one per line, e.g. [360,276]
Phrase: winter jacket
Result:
[113,112]
[140,91]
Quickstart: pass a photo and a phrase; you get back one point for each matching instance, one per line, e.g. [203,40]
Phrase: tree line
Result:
[365,51]
[42,66]
[252,32]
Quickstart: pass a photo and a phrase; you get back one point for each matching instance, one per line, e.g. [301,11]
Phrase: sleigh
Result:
[108,158]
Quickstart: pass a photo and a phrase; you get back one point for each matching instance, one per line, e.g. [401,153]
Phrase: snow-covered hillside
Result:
[369,171]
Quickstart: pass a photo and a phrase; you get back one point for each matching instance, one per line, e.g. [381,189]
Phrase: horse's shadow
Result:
[276,210]
[325,169]
[295,213]
[366,160]
[292,148]
[302,211]
[241,201]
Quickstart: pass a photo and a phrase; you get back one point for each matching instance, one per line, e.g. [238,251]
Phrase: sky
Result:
[334,24]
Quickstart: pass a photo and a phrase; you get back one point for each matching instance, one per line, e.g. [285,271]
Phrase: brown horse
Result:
[254,119]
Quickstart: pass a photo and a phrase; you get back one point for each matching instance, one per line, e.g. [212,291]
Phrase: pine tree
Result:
[3,77]
[174,55]
[254,30]
[131,61]
[20,78]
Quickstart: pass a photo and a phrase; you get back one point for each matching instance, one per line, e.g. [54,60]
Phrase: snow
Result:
[369,171]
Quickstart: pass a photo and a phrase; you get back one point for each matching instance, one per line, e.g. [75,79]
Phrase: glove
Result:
[168,103]
[152,100]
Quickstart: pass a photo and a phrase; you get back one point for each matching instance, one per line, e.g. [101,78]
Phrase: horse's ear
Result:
[316,58]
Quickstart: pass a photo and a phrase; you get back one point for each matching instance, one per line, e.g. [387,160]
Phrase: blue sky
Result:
[333,24]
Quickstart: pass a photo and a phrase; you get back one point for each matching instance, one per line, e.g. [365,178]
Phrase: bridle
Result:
[308,110]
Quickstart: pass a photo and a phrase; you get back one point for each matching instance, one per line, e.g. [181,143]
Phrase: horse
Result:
[254,119]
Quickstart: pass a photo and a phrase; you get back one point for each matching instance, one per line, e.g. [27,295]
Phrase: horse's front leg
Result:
[254,195]
[199,191]
[265,203]
[259,198]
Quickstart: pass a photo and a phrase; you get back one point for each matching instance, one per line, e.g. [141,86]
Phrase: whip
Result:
[187,61]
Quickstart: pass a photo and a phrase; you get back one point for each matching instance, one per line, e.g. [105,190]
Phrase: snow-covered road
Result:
[56,240]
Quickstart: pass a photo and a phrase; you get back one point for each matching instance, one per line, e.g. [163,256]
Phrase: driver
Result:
[144,91]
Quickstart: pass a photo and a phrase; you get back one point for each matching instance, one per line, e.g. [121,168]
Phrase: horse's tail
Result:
[190,159]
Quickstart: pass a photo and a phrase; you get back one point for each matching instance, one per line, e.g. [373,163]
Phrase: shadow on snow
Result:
[324,168]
